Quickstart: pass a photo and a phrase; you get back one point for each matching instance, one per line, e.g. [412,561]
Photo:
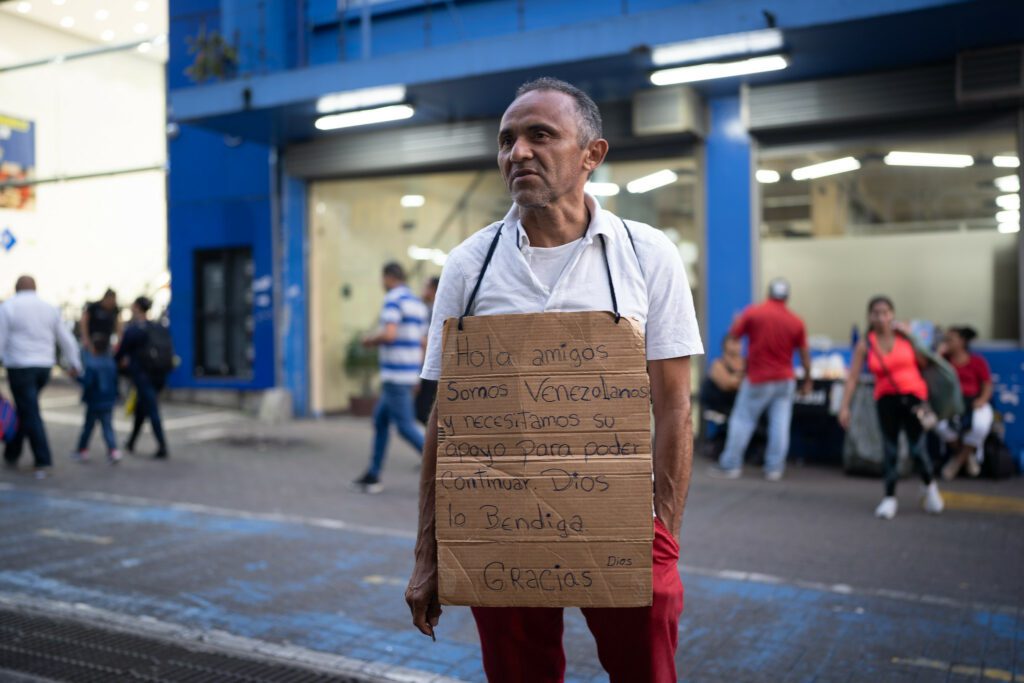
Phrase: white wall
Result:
[949,278]
[92,116]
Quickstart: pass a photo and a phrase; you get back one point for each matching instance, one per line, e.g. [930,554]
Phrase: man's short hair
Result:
[144,304]
[25,283]
[394,269]
[588,115]
[434,282]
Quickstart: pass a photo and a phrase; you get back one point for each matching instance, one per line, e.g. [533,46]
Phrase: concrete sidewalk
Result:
[250,530]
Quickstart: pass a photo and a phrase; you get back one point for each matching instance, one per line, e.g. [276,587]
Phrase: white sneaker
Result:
[773,475]
[932,499]
[719,472]
[887,508]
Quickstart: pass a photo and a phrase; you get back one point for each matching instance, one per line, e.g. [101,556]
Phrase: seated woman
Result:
[718,393]
[966,433]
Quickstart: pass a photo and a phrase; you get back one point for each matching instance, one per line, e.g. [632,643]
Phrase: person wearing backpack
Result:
[147,355]
[900,393]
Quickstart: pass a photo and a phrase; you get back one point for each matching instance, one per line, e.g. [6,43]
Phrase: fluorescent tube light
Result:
[1008,201]
[1008,228]
[360,99]
[766,175]
[929,159]
[1008,216]
[601,189]
[707,72]
[1006,161]
[365,117]
[825,168]
[705,49]
[1008,183]
[652,181]
[437,256]
[413,201]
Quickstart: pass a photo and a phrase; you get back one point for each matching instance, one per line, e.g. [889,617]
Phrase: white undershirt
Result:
[547,263]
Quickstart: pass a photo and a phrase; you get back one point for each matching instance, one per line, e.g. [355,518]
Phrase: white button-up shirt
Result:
[650,283]
[30,330]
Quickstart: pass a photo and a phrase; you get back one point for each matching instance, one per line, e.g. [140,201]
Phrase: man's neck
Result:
[555,224]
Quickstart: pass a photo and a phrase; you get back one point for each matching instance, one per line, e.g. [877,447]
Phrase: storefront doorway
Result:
[932,221]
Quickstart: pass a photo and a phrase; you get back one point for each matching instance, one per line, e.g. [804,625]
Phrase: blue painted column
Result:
[729,202]
[293,332]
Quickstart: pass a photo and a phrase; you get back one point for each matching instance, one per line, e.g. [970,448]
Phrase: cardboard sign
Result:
[543,488]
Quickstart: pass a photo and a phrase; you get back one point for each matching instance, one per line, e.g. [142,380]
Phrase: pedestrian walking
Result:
[100,319]
[966,433]
[400,340]
[558,250]
[147,355]
[427,393]
[773,333]
[99,394]
[30,331]
[900,393]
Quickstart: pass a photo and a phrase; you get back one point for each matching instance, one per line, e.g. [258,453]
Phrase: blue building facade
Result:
[255,184]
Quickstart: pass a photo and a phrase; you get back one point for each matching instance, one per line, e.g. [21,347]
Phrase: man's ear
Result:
[596,151]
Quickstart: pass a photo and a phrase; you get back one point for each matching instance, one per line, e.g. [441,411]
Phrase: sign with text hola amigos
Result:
[544,493]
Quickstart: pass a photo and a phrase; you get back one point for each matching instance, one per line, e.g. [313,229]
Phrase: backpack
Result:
[8,420]
[998,462]
[158,351]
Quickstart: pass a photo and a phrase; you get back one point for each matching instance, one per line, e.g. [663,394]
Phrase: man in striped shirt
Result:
[403,324]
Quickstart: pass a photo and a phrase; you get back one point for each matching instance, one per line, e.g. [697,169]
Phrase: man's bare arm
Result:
[673,438]
[422,592]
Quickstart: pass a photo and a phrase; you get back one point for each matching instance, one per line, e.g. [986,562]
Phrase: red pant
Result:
[634,644]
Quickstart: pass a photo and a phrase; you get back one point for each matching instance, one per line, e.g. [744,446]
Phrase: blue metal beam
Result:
[586,40]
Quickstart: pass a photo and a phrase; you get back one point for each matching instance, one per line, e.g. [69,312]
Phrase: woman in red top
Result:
[966,433]
[899,391]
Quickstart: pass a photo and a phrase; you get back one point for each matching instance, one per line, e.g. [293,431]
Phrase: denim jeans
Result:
[147,407]
[752,400]
[26,384]
[895,414]
[105,416]
[395,405]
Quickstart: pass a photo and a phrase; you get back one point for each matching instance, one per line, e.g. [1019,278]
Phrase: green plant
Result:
[361,363]
[216,58]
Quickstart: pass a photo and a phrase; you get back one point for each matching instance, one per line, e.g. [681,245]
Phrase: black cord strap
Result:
[611,283]
[480,278]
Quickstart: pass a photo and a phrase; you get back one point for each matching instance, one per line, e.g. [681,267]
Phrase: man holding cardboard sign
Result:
[554,331]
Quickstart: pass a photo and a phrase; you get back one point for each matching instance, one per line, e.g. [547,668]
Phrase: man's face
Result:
[539,154]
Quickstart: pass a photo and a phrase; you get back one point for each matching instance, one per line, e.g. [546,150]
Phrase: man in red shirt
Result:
[773,333]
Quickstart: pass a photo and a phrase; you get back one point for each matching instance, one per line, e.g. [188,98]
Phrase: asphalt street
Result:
[249,531]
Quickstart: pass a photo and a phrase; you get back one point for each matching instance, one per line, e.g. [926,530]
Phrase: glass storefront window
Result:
[932,223]
[358,225]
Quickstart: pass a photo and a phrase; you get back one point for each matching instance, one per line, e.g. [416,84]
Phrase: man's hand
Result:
[844,418]
[422,592]
[806,386]
[422,597]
